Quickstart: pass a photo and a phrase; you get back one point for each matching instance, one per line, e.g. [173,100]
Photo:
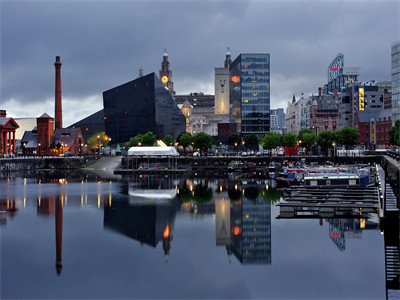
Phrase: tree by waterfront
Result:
[202,141]
[394,134]
[325,139]
[271,141]
[202,193]
[271,195]
[303,131]
[168,140]
[135,141]
[250,140]
[97,141]
[234,140]
[184,140]
[347,136]
[290,140]
[149,139]
[308,139]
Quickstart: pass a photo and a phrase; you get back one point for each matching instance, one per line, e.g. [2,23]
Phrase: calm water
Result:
[173,237]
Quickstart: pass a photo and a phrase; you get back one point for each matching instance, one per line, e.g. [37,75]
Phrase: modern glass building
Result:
[250,92]
[395,81]
[139,106]
[91,124]
[250,221]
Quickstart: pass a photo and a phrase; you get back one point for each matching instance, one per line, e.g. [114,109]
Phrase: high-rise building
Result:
[277,120]
[250,92]
[221,87]
[139,106]
[395,81]
[251,228]
[339,76]
[166,74]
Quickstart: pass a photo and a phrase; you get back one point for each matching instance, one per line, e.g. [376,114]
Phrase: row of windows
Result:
[258,84]
[254,66]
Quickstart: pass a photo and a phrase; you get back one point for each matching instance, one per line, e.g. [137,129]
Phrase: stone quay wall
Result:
[43,163]
[218,162]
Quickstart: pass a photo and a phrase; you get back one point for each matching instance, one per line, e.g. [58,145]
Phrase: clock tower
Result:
[166,74]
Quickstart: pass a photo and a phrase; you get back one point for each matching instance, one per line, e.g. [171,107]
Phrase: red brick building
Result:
[7,133]
[324,116]
[373,127]
[45,132]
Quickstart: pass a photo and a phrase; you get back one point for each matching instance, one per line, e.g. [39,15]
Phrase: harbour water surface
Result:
[177,237]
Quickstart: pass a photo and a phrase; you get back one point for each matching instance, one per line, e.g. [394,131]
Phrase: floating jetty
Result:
[325,202]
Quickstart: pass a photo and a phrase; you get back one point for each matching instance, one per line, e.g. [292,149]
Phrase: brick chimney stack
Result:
[335,92]
[319,92]
[58,104]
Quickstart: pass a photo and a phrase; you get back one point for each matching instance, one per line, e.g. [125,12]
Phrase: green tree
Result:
[271,195]
[185,140]
[185,195]
[250,140]
[325,139]
[97,141]
[290,140]
[149,139]
[303,131]
[271,141]
[309,139]
[234,140]
[202,141]
[201,193]
[135,141]
[347,136]
[168,140]
[394,134]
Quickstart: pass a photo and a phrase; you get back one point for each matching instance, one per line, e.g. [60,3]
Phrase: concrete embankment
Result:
[44,163]
[392,170]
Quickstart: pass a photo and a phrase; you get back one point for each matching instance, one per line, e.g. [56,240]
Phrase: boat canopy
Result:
[152,151]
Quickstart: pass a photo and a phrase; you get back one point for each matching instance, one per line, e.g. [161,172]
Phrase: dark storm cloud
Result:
[103,43]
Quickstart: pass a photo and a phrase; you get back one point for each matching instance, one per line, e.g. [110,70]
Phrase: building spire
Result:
[228,60]
[165,52]
[294,99]
[140,72]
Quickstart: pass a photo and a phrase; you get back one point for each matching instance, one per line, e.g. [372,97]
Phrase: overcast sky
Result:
[103,44]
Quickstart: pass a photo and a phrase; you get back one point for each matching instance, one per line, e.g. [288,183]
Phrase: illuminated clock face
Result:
[164,79]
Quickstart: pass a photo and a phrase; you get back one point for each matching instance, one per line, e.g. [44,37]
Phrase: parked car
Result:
[196,154]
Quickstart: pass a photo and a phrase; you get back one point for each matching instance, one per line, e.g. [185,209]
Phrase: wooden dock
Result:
[325,202]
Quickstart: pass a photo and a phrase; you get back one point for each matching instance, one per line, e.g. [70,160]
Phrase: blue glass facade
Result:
[251,245]
[250,92]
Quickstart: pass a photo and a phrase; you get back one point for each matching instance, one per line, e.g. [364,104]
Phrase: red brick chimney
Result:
[319,92]
[59,226]
[58,105]
[335,92]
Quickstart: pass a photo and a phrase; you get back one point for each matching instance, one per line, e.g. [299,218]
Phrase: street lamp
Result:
[98,142]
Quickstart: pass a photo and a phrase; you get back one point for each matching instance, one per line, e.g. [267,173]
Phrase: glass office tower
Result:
[250,93]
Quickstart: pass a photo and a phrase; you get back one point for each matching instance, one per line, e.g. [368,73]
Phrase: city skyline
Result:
[110,46]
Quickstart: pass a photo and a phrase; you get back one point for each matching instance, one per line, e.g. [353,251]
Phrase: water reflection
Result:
[144,210]
[145,223]
[8,208]
[342,229]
